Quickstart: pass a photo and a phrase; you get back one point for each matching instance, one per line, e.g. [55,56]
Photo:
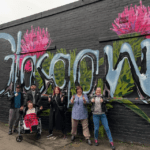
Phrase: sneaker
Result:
[72,138]
[112,146]
[10,132]
[50,135]
[96,143]
[89,141]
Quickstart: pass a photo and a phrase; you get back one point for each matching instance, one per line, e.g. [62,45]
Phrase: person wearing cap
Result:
[17,102]
[33,95]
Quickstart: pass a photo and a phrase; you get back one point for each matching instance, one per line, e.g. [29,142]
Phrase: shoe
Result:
[15,131]
[112,146]
[10,131]
[89,141]
[72,138]
[96,143]
[50,135]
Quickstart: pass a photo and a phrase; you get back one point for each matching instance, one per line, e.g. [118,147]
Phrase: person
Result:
[80,113]
[33,95]
[57,117]
[98,109]
[17,101]
[31,116]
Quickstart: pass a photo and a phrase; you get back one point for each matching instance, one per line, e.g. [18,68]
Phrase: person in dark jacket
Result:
[58,105]
[99,109]
[17,101]
[33,95]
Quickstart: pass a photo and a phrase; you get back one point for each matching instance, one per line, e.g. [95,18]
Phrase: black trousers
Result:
[63,126]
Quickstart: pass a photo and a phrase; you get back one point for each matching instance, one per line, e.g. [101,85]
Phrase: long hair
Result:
[55,89]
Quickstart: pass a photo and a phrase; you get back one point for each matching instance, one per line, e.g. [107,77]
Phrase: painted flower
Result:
[133,20]
[35,42]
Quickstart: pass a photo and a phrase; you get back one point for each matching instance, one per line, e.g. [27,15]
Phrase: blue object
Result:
[103,119]
[79,110]
[17,100]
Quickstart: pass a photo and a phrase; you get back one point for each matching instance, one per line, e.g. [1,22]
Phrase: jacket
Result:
[12,98]
[103,105]
[30,97]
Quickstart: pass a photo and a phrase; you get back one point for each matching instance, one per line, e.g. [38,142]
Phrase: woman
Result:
[57,112]
[79,112]
[30,116]
[99,109]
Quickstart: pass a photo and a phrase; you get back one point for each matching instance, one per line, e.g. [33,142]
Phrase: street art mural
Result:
[32,58]
[123,72]
[126,62]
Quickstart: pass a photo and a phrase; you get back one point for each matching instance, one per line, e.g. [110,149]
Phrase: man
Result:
[33,95]
[17,101]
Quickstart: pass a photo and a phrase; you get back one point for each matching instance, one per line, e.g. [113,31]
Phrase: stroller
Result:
[22,129]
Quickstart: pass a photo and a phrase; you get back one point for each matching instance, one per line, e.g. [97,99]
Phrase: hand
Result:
[84,100]
[62,99]
[93,100]
[16,94]
[101,100]
[73,97]
[21,108]
[49,99]
[41,107]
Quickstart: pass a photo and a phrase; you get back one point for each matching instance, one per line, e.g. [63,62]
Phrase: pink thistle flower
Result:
[133,20]
[35,42]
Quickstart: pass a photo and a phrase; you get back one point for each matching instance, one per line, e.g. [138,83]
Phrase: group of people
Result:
[58,107]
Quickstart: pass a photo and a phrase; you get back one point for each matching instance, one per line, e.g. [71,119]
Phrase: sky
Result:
[15,9]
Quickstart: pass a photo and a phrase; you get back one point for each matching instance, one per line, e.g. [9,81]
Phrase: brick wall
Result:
[80,25]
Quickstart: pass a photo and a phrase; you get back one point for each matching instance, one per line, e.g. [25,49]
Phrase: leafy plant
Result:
[127,103]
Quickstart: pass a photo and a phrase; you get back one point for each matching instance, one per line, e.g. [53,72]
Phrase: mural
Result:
[126,62]
[51,70]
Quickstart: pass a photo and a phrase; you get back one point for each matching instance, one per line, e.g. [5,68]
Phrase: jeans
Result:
[103,119]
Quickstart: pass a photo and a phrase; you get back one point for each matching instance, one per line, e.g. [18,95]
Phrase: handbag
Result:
[61,108]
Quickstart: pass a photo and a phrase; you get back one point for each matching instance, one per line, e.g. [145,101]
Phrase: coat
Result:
[57,117]
[12,98]
[103,105]
[30,97]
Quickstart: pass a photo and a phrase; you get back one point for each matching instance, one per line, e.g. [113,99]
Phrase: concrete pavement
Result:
[8,142]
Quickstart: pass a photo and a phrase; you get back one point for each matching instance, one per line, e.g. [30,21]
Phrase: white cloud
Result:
[14,9]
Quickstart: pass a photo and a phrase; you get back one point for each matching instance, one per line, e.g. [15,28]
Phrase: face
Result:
[56,91]
[33,87]
[17,90]
[98,91]
[30,105]
[79,91]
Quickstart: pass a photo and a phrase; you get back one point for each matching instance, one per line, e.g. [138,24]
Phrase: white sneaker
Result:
[50,135]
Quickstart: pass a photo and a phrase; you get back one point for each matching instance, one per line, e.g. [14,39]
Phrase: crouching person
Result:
[16,102]
[98,109]
[31,116]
